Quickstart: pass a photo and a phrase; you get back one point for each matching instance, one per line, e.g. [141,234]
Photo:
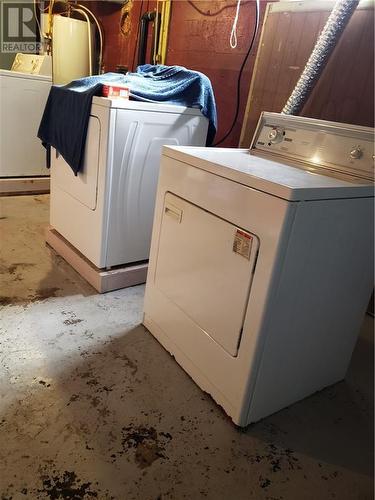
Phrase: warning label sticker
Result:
[242,243]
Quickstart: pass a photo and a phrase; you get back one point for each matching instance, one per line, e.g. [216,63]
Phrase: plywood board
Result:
[344,92]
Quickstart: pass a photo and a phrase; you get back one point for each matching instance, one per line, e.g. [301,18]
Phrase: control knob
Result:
[276,135]
[356,153]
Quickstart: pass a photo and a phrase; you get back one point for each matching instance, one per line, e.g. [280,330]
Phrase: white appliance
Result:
[106,211]
[261,262]
[22,100]
[71,49]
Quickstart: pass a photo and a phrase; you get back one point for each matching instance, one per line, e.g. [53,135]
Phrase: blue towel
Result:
[66,115]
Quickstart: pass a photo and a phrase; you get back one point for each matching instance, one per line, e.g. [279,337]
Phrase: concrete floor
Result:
[93,407]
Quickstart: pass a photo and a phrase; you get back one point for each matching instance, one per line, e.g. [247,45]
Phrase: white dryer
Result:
[261,262]
[22,100]
[106,211]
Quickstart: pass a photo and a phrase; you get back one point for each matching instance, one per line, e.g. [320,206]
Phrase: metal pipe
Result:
[164,30]
[143,30]
[101,36]
[85,15]
[155,41]
[327,41]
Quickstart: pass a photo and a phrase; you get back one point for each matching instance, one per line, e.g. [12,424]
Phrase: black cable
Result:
[257,14]
[213,14]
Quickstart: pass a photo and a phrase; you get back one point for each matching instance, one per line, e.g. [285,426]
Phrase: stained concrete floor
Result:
[93,407]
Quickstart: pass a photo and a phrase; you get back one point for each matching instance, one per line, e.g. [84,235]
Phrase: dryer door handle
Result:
[174,212]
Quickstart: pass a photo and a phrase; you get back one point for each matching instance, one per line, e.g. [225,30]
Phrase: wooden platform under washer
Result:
[101,279]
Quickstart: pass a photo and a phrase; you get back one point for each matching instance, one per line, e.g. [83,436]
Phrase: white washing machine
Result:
[106,211]
[261,262]
[23,95]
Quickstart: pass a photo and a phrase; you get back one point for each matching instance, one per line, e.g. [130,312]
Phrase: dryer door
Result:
[82,187]
[205,266]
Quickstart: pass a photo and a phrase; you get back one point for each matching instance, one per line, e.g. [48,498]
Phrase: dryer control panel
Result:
[316,144]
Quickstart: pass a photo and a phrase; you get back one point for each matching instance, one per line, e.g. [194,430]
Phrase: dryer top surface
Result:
[277,178]
[120,103]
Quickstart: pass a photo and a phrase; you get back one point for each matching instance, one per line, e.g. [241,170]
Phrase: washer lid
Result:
[279,179]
